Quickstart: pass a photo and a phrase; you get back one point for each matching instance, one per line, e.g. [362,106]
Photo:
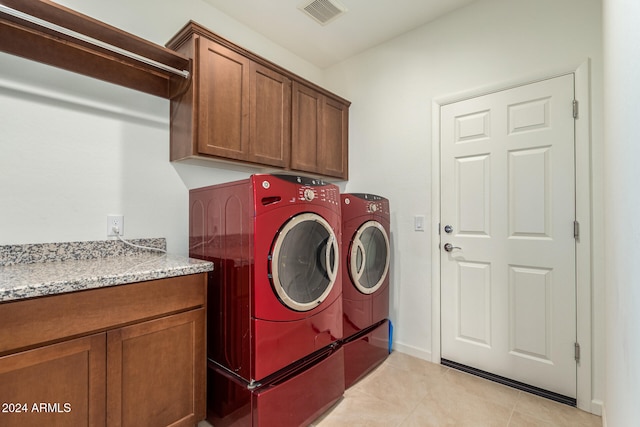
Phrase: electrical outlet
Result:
[115,225]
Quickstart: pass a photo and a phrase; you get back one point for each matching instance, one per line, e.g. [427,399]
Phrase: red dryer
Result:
[274,297]
[366,256]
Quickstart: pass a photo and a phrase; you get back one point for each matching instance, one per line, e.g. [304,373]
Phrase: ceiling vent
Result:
[323,11]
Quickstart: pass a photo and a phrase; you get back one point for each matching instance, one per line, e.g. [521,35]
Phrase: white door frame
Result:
[585,399]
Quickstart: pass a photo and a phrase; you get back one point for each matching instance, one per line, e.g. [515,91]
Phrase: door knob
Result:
[448,229]
[449,247]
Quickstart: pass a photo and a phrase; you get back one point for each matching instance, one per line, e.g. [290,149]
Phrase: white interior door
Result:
[508,203]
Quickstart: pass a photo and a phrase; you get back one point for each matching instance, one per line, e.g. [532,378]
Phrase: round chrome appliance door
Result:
[304,261]
[369,257]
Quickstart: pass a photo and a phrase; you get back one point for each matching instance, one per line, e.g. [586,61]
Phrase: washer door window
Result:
[304,261]
[369,257]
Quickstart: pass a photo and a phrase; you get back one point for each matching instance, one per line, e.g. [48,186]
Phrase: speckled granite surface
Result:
[28,271]
[66,251]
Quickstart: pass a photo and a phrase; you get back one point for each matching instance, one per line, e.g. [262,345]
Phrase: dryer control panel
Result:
[374,207]
[369,203]
[367,196]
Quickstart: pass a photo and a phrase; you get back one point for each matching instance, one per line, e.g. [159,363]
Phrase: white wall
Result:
[489,44]
[74,149]
[622,134]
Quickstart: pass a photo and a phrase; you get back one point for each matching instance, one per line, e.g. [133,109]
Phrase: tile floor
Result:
[408,392]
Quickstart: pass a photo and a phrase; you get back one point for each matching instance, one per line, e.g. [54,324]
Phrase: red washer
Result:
[366,256]
[274,296]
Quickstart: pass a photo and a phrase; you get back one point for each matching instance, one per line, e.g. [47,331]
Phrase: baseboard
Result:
[597,407]
[412,351]
[604,415]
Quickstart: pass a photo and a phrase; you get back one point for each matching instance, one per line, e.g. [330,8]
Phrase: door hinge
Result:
[576,230]
[577,352]
[575,108]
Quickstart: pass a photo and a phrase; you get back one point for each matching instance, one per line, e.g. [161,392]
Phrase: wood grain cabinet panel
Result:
[307,121]
[61,384]
[270,117]
[320,133]
[156,372]
[223,102]
[334,150]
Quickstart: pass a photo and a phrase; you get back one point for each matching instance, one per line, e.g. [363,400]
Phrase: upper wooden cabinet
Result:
[320,133]
[242,107]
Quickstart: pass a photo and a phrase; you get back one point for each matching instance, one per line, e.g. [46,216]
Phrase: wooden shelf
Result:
[21,37]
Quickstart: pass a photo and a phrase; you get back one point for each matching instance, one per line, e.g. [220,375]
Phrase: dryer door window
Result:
[369,257]
[304,261]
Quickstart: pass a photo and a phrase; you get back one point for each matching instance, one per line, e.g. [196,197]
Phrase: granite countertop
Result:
[35,270]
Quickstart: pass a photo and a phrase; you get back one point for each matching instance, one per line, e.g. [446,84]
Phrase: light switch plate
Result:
[418,222]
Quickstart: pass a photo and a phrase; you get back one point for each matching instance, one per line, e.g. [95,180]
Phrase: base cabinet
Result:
[125,371]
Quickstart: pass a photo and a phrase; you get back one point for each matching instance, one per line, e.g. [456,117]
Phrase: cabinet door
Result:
[56,385]
[306,128]
[319,133]
[333,148]
[270,115]
[223,102]
[156,372]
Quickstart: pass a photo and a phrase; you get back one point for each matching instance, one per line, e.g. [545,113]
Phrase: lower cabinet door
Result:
[156,372]
[55,385]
